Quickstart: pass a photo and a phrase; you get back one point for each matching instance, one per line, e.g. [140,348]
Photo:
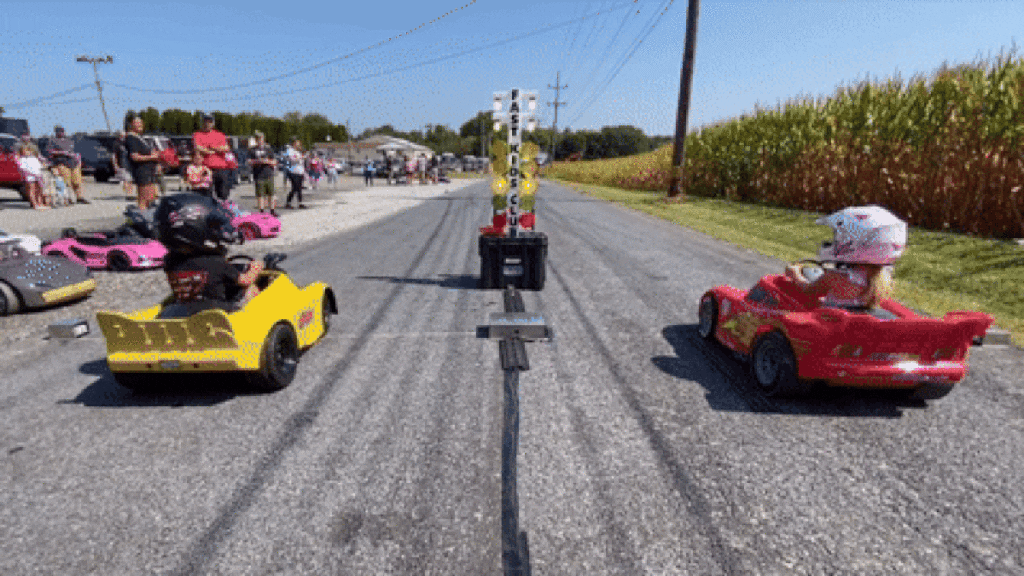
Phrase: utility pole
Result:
[556,104]
[685,81]
[99,86]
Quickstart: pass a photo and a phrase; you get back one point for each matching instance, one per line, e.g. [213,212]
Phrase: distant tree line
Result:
[472,138]
[309,128]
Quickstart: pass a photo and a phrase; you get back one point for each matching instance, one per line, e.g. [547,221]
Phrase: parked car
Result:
[14,126]
[29,281]
[97,160]
[10,175]
[244,171]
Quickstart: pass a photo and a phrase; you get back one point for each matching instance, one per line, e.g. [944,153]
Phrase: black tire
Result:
[707,317]
[138,381]
[102,176]
[9,301]
[774,366]
[325,314]
[118,261]
[931,391]
[279,359]
[249,232]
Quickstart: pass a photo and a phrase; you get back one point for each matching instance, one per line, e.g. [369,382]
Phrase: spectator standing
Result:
[263,163]
[144,160]
[214,146]
[421,167]
[61,151]
[316,169]
[123,165]
[31,168]
[296,172]
[368,173]
[410,170]
[199,177]
[332,172]
[389,165]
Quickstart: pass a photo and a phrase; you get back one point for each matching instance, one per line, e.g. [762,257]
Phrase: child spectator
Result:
[31,168]
[60,188]
[199,176]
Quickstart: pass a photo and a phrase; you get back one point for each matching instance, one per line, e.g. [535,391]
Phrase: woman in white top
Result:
[296,171]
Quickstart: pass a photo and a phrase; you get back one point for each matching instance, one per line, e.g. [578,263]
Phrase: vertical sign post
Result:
[514,120]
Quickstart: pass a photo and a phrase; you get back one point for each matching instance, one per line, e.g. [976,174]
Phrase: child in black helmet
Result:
[195,230]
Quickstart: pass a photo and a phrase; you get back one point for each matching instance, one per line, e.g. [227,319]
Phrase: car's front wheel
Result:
[9,302]
[774,366]
[707,317]
[118,261]
[279,359]
[249,232]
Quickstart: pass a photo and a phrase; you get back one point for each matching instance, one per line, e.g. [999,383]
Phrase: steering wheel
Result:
[243,263]
[816,270]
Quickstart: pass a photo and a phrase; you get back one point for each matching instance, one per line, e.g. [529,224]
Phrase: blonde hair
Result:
[880,284]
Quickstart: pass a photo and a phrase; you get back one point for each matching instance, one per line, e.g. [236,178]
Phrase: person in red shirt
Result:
[214,146]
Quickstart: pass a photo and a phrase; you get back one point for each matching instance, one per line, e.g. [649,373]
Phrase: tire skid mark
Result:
[202,550]
[718,358]
[684,485]
[625,556]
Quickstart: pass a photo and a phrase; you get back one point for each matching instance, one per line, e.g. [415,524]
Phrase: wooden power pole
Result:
[556,104]
[686,80]
[99,85]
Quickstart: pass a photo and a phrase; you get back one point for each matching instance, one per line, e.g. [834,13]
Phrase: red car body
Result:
[10,174]
[842,347]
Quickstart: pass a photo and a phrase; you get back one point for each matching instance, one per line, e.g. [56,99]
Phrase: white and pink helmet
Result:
[864,235]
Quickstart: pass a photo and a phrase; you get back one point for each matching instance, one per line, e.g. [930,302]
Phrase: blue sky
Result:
[368,69]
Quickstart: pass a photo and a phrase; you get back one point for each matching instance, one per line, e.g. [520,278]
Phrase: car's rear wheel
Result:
[118,261]
[774,366]
[279,359]
[9,302]
[931,391]
[325,313]
[139,381]
[249,232]
[707,317]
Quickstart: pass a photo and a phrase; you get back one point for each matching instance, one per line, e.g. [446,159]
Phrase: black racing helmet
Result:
[193,222]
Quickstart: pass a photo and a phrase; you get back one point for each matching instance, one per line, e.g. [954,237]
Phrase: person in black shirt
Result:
[263,163]
[144,162]
[195,230]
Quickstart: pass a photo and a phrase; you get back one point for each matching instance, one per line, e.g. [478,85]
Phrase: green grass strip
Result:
[938,273]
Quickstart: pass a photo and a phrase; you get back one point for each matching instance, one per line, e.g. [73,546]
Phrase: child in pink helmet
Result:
[867,241]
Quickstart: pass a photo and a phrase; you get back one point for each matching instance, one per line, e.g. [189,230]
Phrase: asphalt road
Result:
[642,450]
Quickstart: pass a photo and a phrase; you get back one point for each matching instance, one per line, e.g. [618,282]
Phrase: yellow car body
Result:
[140,343]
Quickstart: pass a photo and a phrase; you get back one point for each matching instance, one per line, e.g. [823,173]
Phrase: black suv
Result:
[97,160]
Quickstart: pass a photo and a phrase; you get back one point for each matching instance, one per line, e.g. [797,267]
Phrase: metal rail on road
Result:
[513,329]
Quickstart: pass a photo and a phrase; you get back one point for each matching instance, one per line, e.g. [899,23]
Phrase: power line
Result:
[630,47]
[33,101]
[295,72]
[405,68]
[604,57]
[623,63]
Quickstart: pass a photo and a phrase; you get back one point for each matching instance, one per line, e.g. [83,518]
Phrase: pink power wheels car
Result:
[107,250]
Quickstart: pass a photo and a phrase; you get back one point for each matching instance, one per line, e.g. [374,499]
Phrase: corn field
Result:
[945,155]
